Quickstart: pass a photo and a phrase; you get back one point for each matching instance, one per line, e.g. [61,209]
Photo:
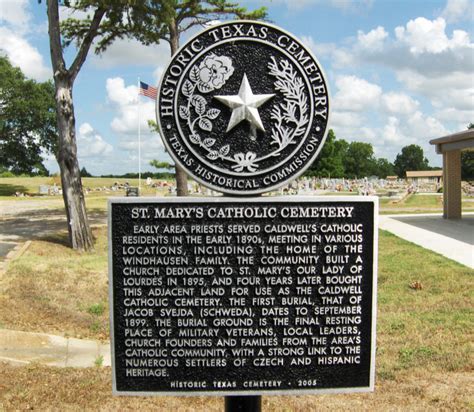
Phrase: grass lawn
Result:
[30,185]
[420,203]
[67,389]
[428,201]
[97,200]
[424,336]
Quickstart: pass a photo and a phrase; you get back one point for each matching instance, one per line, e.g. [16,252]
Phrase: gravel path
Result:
[10,208]
[34,219]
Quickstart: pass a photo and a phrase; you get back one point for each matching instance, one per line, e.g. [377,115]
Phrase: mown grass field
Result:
[97,200]
[30,185]
[424,336]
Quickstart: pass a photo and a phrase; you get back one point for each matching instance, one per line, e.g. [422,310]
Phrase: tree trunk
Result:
[181,176]
[80,234]
[181,181]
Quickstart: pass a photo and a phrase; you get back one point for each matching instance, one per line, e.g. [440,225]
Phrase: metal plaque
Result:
[242,297]
[243,107]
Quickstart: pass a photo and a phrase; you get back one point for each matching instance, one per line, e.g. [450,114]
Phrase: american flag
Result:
[148,91]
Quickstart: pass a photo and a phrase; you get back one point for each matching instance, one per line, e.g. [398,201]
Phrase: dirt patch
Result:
[30,206]
[66,389]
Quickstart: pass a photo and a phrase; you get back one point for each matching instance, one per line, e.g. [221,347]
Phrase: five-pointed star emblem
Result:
[244,105]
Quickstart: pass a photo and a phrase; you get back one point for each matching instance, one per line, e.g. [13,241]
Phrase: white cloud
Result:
[120,95]
[355,94]
[91,144]
[424,127]
[399,103]
[15,13]
[212,23]
[402,121]
[429,36]
[392,132]
[453,89]
[16,19]
[158,73]
[415,128]
[367,133]
[350,5]
[297,4]
[23,55]
[450,114]
[340,58]
[126,52]
[421,55]
[345,119]
[344,5]
[124,99]
[422,46]
[457,10]
[373,40]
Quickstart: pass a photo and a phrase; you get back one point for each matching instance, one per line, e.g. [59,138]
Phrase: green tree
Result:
[85,173]
[161,165]
[467,161]
[384,168]
[410,158]
[168,19]
[359,161]
[107,20]
[27,121]
[80,235]
[329,162]
[153,21]
[156,163]
[467,165]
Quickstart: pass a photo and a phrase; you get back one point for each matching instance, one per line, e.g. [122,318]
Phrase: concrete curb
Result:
[443,244]
[21,348]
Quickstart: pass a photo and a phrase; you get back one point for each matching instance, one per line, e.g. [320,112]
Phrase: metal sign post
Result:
[243,404]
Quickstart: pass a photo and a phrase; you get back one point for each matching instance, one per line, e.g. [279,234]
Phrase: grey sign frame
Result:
[249,201]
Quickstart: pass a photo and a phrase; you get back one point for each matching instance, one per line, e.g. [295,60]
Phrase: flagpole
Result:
[139,144]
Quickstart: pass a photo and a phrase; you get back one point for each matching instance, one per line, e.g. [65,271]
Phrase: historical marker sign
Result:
[229,296]
[243,107]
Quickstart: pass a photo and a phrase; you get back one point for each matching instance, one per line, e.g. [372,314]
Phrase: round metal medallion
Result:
[243,107]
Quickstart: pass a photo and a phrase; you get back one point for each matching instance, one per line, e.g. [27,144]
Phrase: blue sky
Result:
[400,72]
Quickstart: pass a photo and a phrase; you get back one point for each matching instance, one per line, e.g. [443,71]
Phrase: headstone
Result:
[132,191]
[44,190]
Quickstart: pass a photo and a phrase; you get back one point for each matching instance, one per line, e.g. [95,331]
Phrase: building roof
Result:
[457,141]
[425,173]
[392,177]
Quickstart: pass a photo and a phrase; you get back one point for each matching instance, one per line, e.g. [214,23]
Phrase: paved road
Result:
[20,348]
[16,207]
[34,219]
[451,238]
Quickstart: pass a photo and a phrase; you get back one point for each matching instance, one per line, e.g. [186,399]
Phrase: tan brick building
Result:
[425,176]
[450,147]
